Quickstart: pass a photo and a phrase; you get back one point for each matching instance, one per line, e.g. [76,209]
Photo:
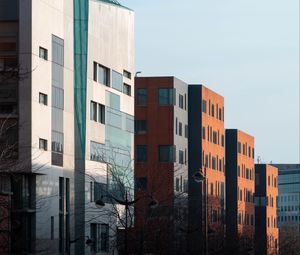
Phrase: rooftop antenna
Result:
[258,159]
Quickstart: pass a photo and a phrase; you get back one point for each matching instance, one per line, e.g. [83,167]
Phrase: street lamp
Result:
[200,177]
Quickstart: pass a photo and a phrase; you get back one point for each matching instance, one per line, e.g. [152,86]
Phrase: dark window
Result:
[212,110]
[181,101]
[186,131]
[203,133]
[141,152]
[104,238]
[43,98]
[184,101]
[177,184]
[239,171]
[239,147]
[215,137]
[140,183]
[214,163]
[127,89]
[166,153]
[117,81]
[204,106]
[61,213]
[100,192]
[180,129]
[43,144]
[252,152]
[52,228]
[140,126]
[95,71]
[127,74]
[223,141]
[176,126]
[43,53]
[181,157]
[166,96]
[141,96]
[220,114]
[101,113]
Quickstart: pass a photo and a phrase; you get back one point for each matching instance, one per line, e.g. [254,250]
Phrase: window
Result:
[127,74]
[181,101]
[98,152]
[93,111]
[43,99]
[43,144]
[239,171]
[186,131]
[166,153]
[97,112]
[140,183]
[100,237]
[181,157]
[57,97]
[140,126]
[177,188]
[184,101]
[43,53]
[117,81]
[166,96]
[220,114]
[52,228]
[215,137]
[101,74]
[203,133]
[100,192]
[101,113]
[223,141]
[141,96]
[239,147]
[141,152]
[176,126]
[180,129]
[204,105]
[214,163]
[127,89]
[213,110]
[57,148]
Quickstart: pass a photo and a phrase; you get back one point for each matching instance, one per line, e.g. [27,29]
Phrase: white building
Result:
[74,107]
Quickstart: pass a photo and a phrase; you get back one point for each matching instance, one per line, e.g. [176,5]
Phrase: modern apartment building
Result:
[240,187]
[266,192]
[206,153]
[288,207]
[161,165]
[69,106]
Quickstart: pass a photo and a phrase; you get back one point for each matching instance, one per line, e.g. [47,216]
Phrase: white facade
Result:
[42,23]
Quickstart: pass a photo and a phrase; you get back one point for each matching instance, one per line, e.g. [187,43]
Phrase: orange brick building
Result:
[240,187]
[266,192]
[161,150]
[206,152]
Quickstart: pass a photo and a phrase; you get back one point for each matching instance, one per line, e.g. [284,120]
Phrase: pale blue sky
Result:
[246,50]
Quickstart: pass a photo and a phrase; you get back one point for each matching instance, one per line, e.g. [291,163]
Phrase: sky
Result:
[245,50]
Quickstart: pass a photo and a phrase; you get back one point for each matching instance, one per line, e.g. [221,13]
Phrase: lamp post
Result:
[100,204]
[200,177]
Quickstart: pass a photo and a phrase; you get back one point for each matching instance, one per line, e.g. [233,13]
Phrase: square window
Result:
[166,96]
[127,74]
[43,53]
[140,126]
[43,99]
[43,144]
[166,153]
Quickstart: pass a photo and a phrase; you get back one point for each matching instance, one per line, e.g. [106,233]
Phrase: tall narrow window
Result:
[186,131]
[141,96]
[204,106]
[103,74]
[52,228]
[93,111]
[101,113]
[43,99]
[181,158]
[181,101]
[180,129]
[117,81]
[141,152]
[43,53]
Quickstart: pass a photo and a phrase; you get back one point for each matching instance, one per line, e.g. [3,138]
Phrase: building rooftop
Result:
[114,2]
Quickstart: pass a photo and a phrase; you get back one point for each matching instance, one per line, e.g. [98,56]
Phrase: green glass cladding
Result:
[114,2]
[81,11]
